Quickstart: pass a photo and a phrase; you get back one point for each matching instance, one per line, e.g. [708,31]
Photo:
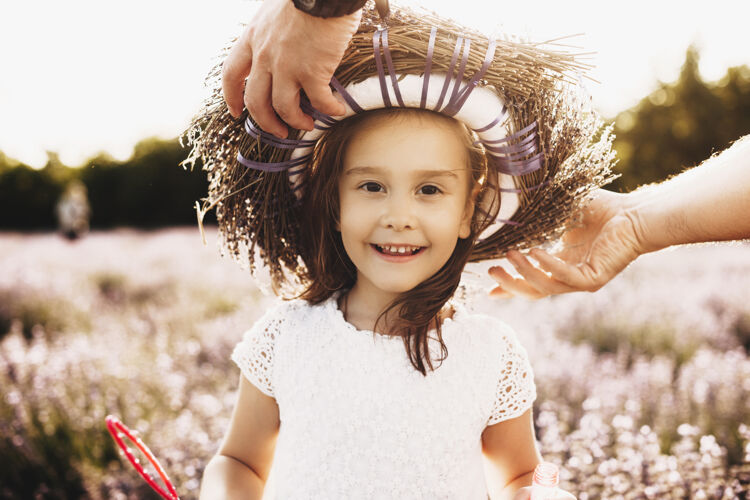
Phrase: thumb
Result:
[321,97]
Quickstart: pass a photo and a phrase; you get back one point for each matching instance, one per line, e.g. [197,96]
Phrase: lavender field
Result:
[644,386]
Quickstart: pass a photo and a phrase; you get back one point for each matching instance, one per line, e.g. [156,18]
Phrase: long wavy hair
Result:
[330,269]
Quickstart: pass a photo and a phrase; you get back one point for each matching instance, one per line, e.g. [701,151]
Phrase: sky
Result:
[78,77]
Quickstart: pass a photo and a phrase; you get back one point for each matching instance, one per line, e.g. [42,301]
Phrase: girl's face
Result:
[405,183]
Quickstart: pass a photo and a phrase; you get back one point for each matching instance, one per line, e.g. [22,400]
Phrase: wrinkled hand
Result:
[525,494]
[284,50]
[593,254]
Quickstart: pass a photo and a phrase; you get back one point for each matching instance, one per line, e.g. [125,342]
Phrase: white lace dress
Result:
[359,422]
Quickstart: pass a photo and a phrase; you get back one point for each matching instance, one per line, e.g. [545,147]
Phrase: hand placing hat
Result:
[700,205]
[281,51]
[604,243]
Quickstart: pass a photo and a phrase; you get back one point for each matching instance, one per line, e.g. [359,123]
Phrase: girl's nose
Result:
[399,216]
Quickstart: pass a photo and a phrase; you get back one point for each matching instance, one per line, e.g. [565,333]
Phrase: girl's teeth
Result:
[399,250]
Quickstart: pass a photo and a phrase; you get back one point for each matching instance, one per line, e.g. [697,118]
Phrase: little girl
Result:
[373,381]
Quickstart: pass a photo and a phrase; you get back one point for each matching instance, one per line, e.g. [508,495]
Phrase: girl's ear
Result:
[464,229]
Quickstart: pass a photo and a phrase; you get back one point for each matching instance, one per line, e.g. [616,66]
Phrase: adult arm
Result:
[707,203]
[281,51]
[710,202]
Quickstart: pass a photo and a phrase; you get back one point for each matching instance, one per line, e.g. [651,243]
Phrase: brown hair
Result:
[329,268]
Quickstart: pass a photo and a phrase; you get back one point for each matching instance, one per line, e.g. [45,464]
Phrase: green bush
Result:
[148,190]
[681,124]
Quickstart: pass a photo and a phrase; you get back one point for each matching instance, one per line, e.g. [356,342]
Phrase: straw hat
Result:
[546,150]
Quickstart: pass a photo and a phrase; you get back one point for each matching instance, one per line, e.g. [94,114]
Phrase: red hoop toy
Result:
[118,429]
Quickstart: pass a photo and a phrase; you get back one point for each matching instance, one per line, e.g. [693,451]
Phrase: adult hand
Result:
[594,253]
[284,50]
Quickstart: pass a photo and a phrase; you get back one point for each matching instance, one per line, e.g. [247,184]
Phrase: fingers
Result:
[537,278]
[234,70]
[534,282]
[258,102]
[500,293]
[276,74]
[286,103]
[560,270]
[321,97]
[511,285]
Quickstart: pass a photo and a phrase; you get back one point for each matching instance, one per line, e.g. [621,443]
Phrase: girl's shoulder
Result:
[286,311]
[279,308]
[286,306]
[482,323]
[495,336]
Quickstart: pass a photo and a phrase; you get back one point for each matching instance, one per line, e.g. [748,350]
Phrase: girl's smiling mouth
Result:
[400,253]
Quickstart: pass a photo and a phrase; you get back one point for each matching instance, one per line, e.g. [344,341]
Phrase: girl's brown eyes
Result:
[430,189]
[370,184]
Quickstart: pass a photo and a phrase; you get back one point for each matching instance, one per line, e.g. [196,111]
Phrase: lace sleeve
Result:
[254,354]
[515,392]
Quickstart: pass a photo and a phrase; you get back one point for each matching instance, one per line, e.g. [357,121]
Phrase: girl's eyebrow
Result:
[417,173]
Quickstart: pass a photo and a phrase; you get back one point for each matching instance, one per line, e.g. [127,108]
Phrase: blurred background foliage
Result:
[681,124]
[677,126]
[148,190]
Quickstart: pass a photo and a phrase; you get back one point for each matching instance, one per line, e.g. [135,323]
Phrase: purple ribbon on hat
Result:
[524,147]
[528,128]
[504,221]
[255,132]
[449,74]
[272,167]
[379,65]
[519,158]
[516,167]
[327,120]
[513,155]
[382,35]
[454,106]
[347,97]
[450,108]
[428,67]
[493,122]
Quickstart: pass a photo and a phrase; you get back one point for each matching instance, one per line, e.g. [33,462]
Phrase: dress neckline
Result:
[332,303]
